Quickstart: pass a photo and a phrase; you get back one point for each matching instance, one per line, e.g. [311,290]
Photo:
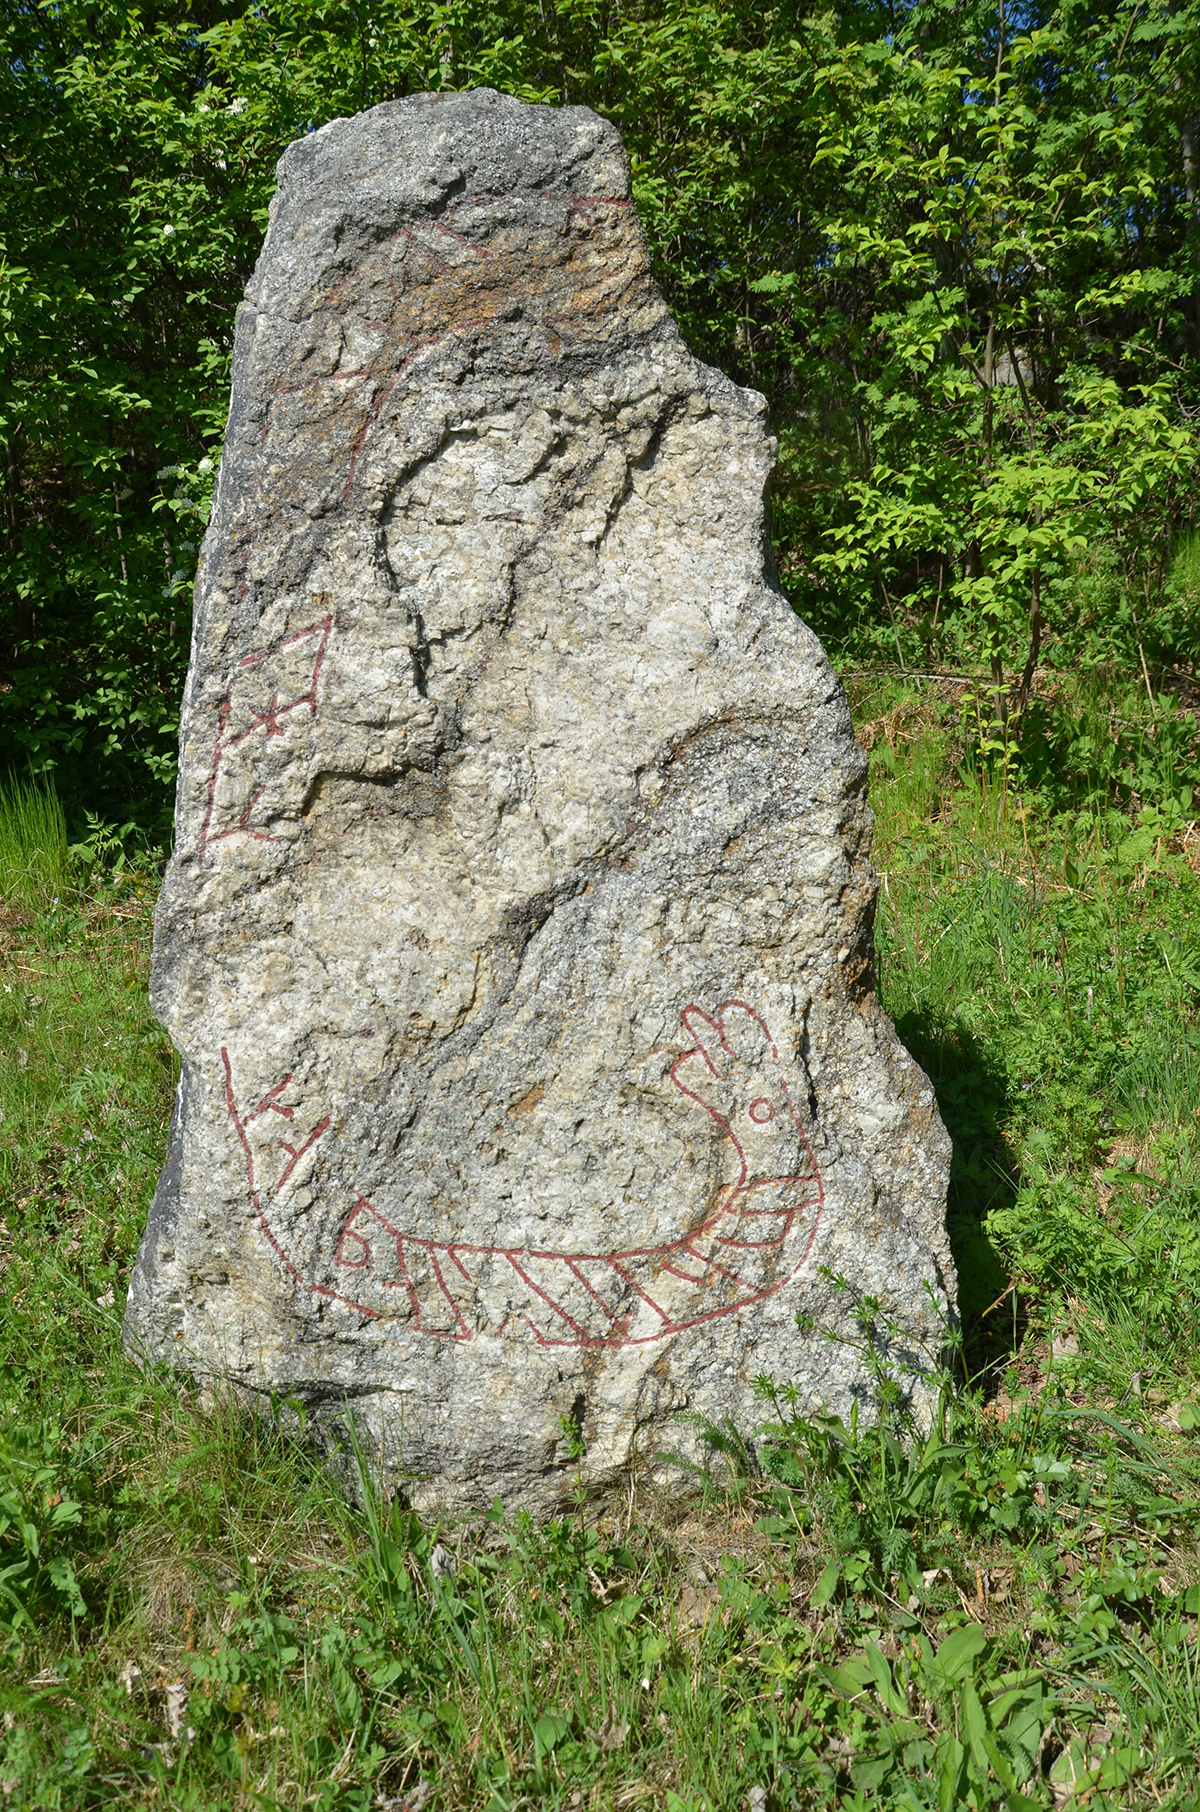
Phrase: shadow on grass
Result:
[972,1098]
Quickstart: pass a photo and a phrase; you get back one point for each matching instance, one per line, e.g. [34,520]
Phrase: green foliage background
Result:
[958,247]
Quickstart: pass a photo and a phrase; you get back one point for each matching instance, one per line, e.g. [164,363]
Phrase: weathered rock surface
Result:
[518,935]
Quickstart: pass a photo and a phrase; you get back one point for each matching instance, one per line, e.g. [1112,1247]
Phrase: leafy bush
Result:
[959,260]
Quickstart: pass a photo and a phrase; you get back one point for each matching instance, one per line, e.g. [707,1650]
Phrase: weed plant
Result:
[996,1611]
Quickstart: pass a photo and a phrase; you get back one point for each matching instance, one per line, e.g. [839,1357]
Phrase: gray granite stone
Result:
[517,939]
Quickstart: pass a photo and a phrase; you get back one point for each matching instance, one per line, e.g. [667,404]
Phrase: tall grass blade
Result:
[34,864]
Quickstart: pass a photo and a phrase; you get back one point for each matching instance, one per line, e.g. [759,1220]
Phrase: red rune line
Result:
[377,408]
[707,1254]
[407,233]
[480,251]
[576,204]
[269,1105]
[318,1130]
[373,414]
[268,719]
[320,377]
[420,346]
[579,202]
[282,389]
[436,226]
[336,295]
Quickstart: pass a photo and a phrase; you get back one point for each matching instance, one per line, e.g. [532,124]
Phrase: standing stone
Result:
[517,939]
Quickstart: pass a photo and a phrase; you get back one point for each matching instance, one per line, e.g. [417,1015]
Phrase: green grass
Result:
[34,861]
[1001,1612]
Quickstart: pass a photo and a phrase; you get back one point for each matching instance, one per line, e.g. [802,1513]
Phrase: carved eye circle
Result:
[762,1110]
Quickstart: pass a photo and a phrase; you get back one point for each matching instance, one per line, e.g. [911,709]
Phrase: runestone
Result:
[517,941]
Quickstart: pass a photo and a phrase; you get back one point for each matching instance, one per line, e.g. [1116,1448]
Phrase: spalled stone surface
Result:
[518,935]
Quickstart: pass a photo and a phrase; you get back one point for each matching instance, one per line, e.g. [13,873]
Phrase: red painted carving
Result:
[253,704]
[583,204]
[754,1242]
[261,1193]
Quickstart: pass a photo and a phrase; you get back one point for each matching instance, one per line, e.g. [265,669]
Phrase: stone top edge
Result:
[475,142]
